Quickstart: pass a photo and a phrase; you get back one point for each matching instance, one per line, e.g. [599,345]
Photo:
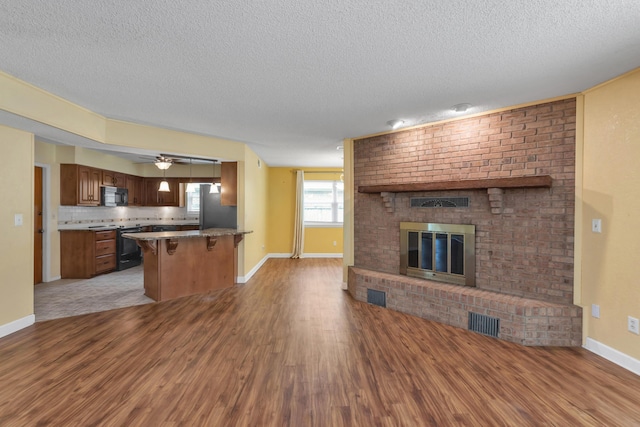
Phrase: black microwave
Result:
[113,196]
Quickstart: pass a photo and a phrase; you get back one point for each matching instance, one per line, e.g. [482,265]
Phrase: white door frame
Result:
[46,213]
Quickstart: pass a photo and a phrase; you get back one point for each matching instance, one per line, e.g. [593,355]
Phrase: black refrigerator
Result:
[212,213]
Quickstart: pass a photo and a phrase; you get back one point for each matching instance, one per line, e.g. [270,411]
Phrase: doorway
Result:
[38,224]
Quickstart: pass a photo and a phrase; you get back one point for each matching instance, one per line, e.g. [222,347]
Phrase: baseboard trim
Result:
[279,255]
[254,270]
[330,255]
[613,355]
[16,325]
[53,279]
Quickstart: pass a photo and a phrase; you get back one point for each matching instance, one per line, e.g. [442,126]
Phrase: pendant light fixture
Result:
[191,187]
[164,185]
[214,186]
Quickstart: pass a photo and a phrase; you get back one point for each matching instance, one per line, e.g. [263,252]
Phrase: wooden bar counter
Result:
[181,263]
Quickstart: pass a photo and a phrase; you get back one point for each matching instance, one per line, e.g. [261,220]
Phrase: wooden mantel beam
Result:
[544,181]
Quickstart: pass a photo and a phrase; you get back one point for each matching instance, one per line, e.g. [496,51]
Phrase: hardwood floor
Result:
[291,348]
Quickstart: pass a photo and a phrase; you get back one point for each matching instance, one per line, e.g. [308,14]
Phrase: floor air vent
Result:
[376,297]
[439,202]
[484,324]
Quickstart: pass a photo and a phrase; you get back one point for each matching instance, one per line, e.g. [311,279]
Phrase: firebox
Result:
[443,252]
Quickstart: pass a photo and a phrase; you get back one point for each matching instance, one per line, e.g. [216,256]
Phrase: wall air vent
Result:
[376,297]
[439,202]
[484,324]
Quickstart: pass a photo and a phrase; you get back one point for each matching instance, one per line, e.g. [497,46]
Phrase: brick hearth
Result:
[522,320]
[524,243]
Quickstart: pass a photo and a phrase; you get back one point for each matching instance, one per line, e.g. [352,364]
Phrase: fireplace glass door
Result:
[443,252]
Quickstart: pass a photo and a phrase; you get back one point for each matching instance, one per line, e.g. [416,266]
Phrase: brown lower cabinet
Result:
[188,227]
[87,253]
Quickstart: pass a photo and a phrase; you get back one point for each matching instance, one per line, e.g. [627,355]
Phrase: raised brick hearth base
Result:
[524,321]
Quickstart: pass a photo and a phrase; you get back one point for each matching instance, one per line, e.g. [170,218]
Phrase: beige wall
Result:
[16,250]
[611,192]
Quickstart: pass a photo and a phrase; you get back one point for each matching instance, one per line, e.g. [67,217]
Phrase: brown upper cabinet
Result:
[153,197]
[79,185]
[229,183]
[134,184]
[113,179]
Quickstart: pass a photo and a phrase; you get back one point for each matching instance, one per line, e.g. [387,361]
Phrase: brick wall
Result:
[527,249]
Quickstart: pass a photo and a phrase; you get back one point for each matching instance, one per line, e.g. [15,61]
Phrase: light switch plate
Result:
[18,220]
[595,311]
[596,225]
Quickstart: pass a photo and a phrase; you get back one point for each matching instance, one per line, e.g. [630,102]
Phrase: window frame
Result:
[192,213]
[335,204]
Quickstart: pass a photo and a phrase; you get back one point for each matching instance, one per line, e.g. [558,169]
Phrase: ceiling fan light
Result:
[163,164]
[164,186]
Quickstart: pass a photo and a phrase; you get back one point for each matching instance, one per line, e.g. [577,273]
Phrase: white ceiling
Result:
[293,78]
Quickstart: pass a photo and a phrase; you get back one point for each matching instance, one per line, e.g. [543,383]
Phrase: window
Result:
[193,198]
[323,203]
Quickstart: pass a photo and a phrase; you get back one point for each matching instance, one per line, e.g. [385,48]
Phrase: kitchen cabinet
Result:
[153,197]
[134,184]
[87,253]
[188,227]
[79,185]
[113,179]
[229,183]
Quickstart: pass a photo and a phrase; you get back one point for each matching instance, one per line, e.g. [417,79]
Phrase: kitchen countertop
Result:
[113,225]
[164,235]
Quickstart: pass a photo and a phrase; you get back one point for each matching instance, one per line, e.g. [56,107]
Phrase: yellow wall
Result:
[29,101]
[280,210]
[320,240]
[611,192]
[126,134]
[281,213]
[253,176]
[16,250]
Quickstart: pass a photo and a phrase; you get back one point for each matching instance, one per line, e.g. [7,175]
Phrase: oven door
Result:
[128,253]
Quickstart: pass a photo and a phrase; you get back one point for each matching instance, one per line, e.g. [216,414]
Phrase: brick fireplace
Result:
[517,170]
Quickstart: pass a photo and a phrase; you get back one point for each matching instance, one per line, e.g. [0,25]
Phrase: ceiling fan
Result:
[164,161]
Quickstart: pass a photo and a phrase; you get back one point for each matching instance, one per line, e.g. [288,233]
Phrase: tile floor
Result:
[71,297]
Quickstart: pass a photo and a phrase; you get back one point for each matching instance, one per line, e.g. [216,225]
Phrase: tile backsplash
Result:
[81,214]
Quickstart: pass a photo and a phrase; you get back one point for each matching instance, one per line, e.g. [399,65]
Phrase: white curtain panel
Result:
[298,230]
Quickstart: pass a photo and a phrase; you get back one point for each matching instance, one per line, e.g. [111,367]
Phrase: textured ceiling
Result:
[293,78]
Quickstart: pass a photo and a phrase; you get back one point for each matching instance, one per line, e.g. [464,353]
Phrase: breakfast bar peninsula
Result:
[181,263]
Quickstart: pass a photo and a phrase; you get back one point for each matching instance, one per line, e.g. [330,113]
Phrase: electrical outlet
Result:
[632,325]
[595,311]
[596,225]
[335,243]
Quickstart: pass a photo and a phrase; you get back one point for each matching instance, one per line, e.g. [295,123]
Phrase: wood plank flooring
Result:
[290,348]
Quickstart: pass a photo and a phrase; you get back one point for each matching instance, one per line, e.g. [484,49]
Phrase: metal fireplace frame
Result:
[468,232]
